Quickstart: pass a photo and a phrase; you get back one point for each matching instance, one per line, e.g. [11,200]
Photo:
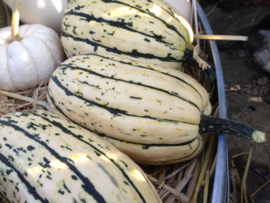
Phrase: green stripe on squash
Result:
[46,158]
[149,31]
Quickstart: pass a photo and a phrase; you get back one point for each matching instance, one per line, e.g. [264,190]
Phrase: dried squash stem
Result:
[15,21]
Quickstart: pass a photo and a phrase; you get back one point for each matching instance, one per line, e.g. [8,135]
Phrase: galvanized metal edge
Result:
[220,193]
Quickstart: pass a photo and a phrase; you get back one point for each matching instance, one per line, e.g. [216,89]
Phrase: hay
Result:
[12,105]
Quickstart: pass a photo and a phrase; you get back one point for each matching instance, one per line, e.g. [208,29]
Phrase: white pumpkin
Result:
[30,61]
[45,12]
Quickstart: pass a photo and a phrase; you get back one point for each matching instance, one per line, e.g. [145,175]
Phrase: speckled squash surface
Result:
[149,112]
[45,158]
[148,31]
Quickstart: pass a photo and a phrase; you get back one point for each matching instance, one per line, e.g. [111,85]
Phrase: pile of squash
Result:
[119,98]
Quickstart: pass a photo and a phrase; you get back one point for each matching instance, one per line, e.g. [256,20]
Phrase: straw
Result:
[203,170]
[24,98]
[194,179]
[221,37]
[178,195]
[207,174]
[243,186]
[238,180]
[208,14]
[254,193]
[240,154]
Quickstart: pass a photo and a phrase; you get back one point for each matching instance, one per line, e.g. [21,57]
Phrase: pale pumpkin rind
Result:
[30,61]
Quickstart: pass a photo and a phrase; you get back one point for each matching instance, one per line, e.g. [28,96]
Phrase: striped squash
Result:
[45,158]
[149,112]
[149,31]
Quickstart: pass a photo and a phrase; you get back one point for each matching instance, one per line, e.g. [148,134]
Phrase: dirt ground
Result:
[247,108]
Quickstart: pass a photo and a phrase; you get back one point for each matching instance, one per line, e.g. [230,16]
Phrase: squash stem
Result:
[224,126]
[15,21]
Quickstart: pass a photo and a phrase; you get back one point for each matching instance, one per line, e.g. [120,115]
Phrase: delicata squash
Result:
[46,158]
[153,114]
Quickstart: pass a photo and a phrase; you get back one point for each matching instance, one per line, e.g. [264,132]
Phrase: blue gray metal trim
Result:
[220,193]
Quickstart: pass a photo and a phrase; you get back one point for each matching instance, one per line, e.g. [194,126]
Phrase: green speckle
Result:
[145,147]
[39,183]
[61,192]
[98,154]
[89,157]
[74,177]
[124,163]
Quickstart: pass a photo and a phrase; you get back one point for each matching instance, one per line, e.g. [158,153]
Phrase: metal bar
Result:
[221,182]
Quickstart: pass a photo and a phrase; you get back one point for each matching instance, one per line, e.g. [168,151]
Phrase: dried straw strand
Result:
[25,98]
[254,193]
[233,182]
[194,179]
[243,186]
[207,174]
[180,174]
[180,196]
[174,173]
[203,170]
[240,154]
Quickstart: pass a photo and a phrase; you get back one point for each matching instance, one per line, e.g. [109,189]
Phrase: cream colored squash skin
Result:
[46,158]
[144,31]
[46,12]
[149,112]
[27,63]
[183,6]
